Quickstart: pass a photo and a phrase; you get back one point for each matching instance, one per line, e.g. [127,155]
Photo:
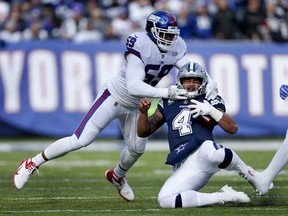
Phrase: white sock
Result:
[62,146]
[195,199]
[236,160]
[127,159]
[119,171]
[279,161]
[38,159]
[57,149]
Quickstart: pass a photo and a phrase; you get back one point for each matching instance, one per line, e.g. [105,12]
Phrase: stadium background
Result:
[46,87]
[51,72]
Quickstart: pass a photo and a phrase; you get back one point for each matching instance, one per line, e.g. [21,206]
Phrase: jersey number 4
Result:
[182,122]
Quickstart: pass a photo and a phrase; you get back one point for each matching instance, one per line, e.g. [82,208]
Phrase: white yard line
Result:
[275,210]
[152,145]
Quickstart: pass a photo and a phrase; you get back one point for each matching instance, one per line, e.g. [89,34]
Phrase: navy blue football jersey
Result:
[185,134]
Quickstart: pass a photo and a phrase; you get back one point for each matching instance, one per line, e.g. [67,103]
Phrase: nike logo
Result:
[27,163]
[21,164]
[250,173]
[16,173]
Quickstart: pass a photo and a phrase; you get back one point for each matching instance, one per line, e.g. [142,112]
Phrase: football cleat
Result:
[227,194]
[260,185]
[23,173]
[121,185]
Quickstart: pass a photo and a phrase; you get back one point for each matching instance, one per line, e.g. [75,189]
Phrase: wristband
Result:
[216,114]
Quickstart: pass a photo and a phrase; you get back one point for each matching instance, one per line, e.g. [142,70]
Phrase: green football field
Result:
[75,185]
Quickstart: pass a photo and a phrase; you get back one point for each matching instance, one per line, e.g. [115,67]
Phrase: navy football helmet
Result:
[161,27]
[193,70]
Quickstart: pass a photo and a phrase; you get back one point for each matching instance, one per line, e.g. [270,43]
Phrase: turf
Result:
[75,185]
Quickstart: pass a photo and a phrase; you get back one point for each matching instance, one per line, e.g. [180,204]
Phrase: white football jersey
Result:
[156,64]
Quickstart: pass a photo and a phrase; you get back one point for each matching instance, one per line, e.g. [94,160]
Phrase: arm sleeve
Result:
[182,62]
[135,76]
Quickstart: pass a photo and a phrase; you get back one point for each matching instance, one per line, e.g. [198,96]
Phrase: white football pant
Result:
[194,173]
[104,109]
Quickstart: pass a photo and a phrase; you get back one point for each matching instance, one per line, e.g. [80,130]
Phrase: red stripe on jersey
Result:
[134,52]
[94,107]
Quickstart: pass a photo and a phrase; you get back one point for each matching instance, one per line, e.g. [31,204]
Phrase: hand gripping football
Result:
[206,120]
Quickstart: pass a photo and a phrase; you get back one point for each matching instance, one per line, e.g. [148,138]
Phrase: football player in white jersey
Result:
[279,161]
[149,56]
[194,155]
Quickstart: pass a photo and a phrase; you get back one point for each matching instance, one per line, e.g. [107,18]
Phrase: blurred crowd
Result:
[104,20]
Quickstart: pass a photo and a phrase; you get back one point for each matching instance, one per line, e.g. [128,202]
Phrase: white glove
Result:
[211,89]
[199,108]
[176,93]
[205,108]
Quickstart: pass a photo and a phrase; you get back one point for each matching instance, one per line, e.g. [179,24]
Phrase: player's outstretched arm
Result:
[135,75]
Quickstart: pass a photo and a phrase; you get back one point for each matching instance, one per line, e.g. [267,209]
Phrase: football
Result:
[206,121]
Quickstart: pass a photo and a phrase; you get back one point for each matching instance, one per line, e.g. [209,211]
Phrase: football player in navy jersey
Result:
[194,155]
[149,56]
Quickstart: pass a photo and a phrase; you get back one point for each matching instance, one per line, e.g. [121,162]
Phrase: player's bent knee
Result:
[76,143]
[222,157]
[87,138]
[227,159]
[73,143]
[167,202]
[217,156]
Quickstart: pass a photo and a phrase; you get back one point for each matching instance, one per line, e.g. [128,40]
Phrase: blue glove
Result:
[284,91]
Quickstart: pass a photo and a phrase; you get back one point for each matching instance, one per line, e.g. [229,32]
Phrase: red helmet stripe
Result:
[172,19]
